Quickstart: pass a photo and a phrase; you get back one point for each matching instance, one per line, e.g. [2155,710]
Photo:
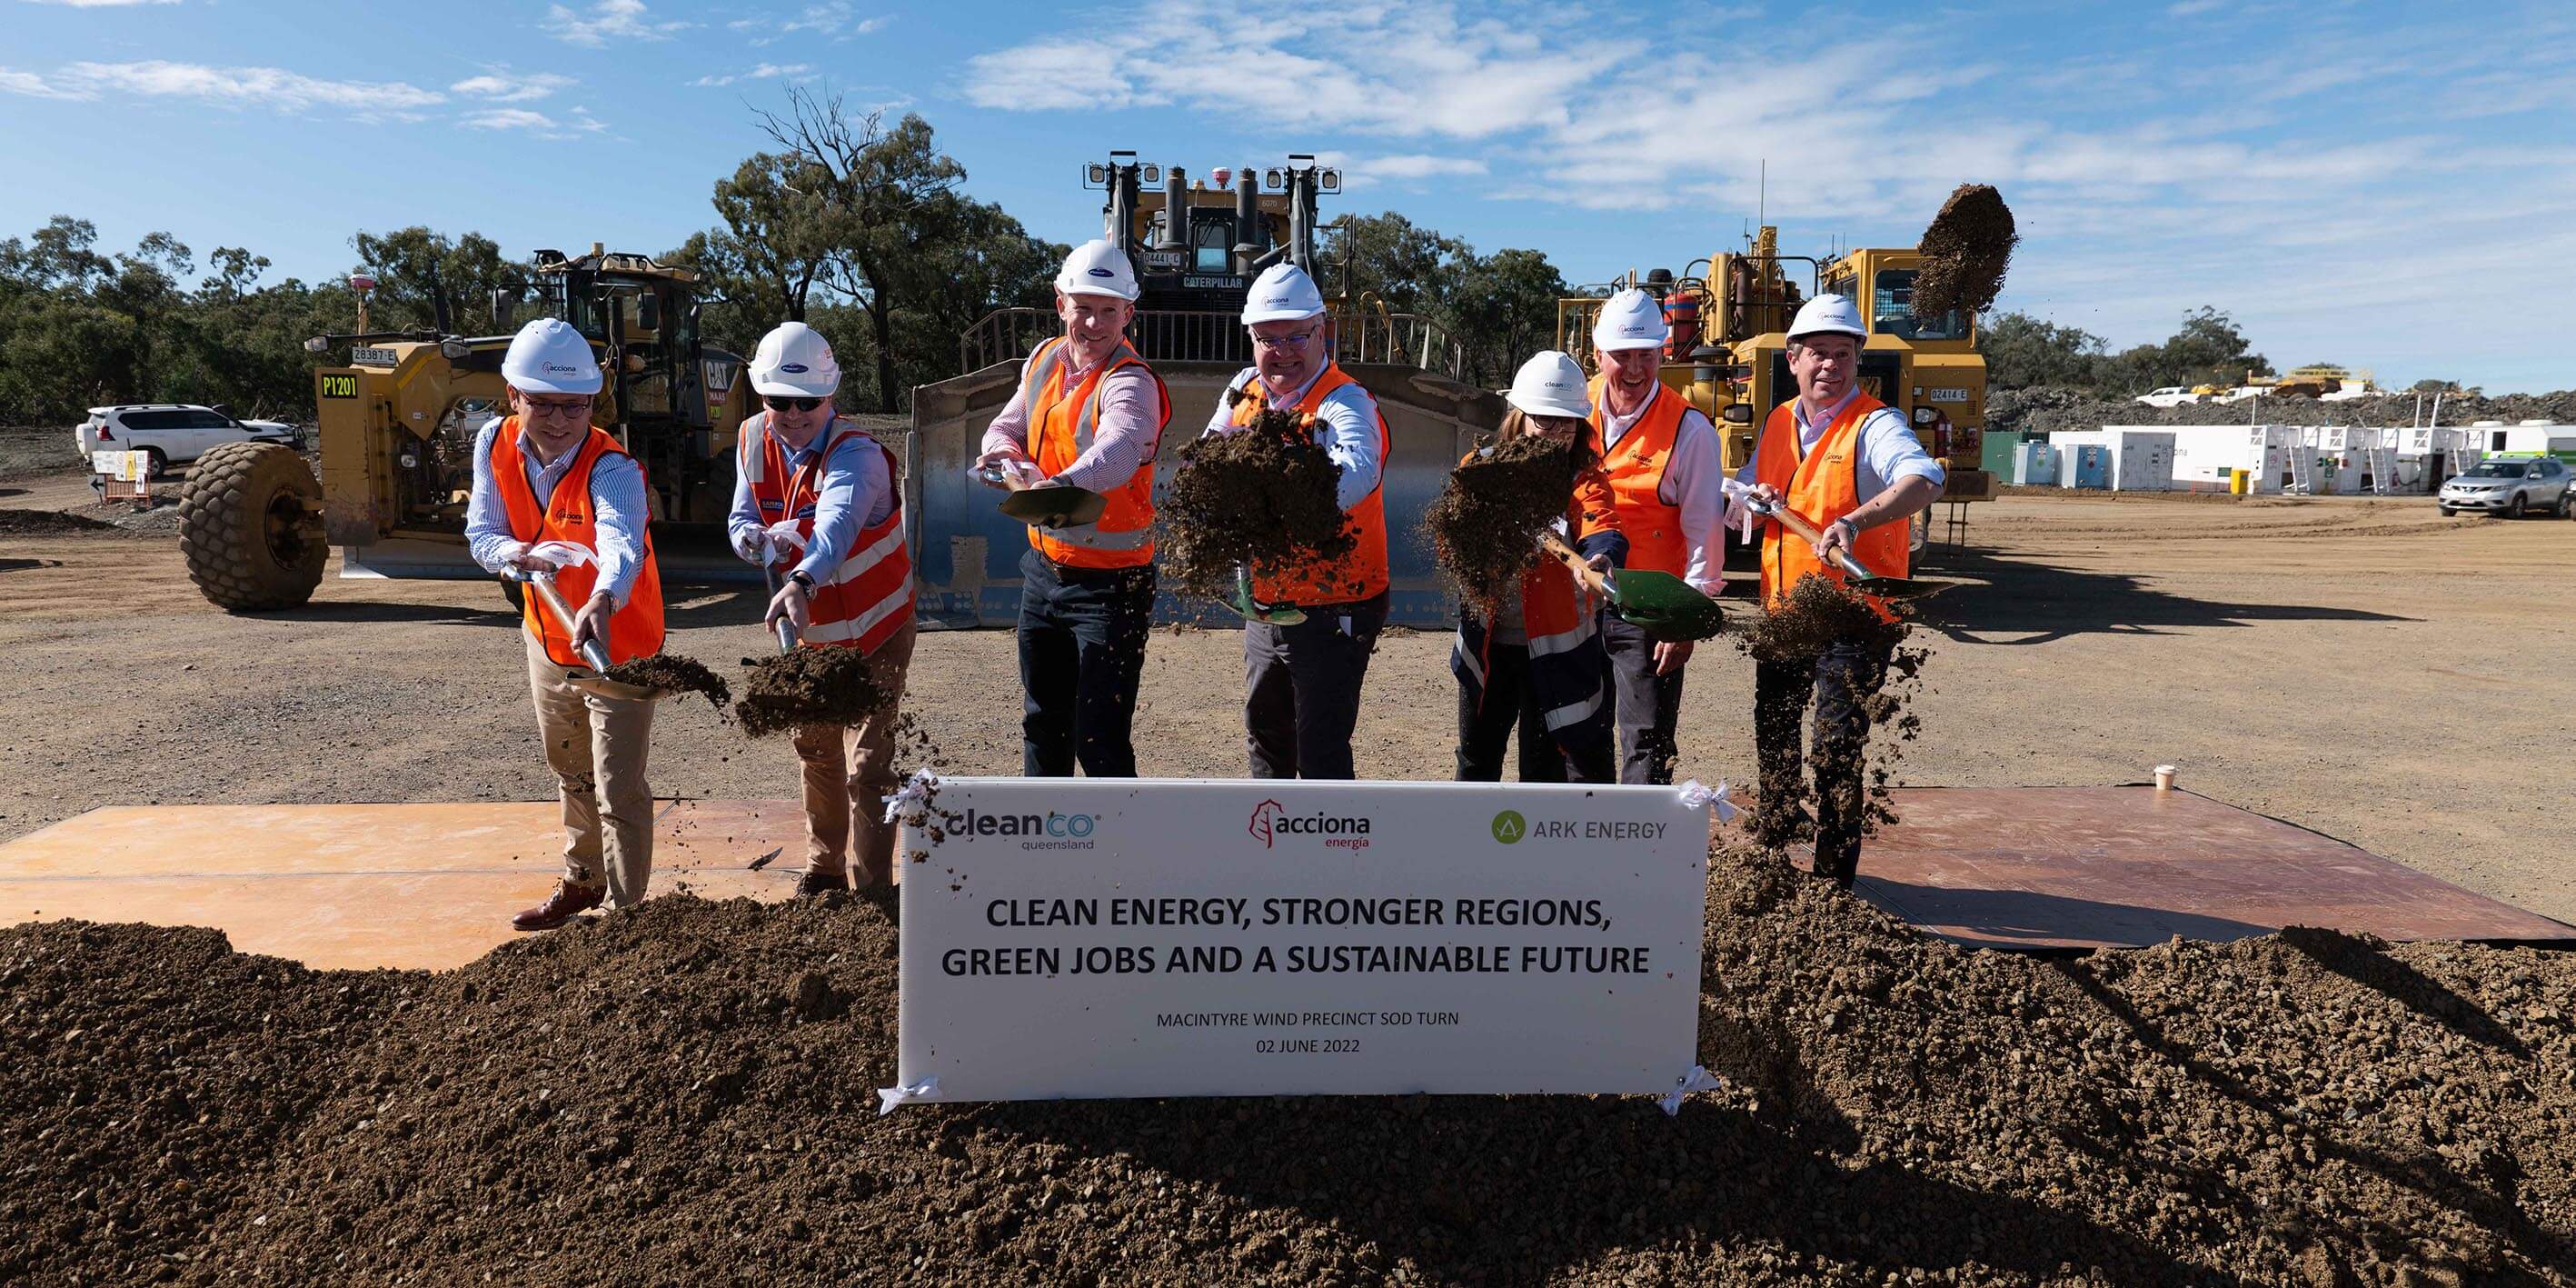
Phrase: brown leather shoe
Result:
[813,882]
[563,905]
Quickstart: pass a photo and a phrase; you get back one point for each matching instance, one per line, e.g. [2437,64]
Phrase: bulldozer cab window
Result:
[1213,249]
[1892,311]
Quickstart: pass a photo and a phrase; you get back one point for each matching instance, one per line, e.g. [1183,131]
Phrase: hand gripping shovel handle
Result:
[592,651]
[1598,581]
[785,628]
[1791,520]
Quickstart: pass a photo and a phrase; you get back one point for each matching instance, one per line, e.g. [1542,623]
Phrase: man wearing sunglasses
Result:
[544,474]
[1088,413]
[1302,682]
[814,496]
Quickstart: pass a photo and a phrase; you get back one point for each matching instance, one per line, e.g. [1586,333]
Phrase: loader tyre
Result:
[247,529]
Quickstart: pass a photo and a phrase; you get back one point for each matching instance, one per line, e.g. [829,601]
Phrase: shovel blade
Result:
[600,686]
[1060,506]
[1665,606]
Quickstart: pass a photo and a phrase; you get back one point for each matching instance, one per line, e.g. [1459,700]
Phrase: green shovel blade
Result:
[1664,605]
[1254,610]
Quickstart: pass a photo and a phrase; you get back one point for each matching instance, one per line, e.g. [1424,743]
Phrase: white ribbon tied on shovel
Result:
[556,553]
[1696,795]
[911,802]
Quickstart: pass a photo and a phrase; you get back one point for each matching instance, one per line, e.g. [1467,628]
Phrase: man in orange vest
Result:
[1088,413]
[815,495]
[1850,465]
[1661,457]
[546,479]
[1302,682]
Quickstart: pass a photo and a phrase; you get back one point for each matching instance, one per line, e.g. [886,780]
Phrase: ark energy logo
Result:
[1272,822]
[1510,827]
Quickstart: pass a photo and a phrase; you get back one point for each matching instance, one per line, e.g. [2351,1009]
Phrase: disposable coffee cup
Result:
[2164,778]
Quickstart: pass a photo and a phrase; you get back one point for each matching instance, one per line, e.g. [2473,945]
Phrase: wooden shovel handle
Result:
[591,650]
[1583,570]
[1811,534]
[1006,476]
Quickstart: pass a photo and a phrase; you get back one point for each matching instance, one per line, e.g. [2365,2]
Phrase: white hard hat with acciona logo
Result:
[1630,319]
[1551,384]
[1097,267]
[548,357]
[1283,293]
[1828,314]
[794,361]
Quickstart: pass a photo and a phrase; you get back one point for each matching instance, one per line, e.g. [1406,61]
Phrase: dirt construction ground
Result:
[2366,668]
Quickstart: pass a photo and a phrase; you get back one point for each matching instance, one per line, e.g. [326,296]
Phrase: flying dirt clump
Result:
[1261,496]
[1965,251]
[1484,525]
[1819,613]
[674,673]
[802,686]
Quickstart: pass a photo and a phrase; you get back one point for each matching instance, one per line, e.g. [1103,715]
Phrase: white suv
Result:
[174,432]
[2169,396]
[2512,486]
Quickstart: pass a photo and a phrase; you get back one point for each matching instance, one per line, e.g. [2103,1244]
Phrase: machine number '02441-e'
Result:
[339,385]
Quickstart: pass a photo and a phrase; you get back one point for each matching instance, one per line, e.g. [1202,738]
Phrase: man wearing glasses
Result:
[815,496]
[545,479]
[1302,682]
[1088,413]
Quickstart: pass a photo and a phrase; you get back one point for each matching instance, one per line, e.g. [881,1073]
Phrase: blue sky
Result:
[2363,183]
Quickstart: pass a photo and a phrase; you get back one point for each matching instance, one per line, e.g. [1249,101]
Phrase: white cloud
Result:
[35,86]
[501,85]
[578,123]
[1414,166]
[2190,8]
[247,87]
[608,20]
[836,20]
[765,71]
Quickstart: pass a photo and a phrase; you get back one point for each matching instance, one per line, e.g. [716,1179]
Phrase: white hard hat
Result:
[1097,268]
[1551,384]
[794,361]
[548,357]
[1630,319]
[1283,293]
[1828,313]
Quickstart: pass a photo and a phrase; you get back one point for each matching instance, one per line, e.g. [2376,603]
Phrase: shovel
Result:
[1858,576]
[1658,603]
[1249,609]
[1044,505]
[592,651]
[785,628]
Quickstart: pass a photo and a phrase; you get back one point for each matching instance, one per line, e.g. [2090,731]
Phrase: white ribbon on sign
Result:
[926,1089]
[914,795]
[1697,795]
[1698,1079]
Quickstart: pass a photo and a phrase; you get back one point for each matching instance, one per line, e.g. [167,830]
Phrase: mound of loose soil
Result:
[1484,525]
[674,673]
[1262,496]
[1965,252]
[2040,409]
[830,686]
[680,1093]
[1819,613]
[48,523]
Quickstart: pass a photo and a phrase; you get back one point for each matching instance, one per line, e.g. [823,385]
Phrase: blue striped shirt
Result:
[616,497]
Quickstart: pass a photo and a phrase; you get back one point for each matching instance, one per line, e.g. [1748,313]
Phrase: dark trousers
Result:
[1650,705]
[1835,679]
[1082,652]
[1301,688]
[1509,700]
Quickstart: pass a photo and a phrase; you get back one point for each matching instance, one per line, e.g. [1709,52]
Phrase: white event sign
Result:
[1080,938]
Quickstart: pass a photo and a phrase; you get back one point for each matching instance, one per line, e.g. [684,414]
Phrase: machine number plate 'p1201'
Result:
[339,384]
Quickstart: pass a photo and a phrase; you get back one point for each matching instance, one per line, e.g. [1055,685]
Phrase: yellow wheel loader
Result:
[398,424]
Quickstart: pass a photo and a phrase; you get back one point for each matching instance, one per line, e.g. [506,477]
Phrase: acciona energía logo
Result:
[1273,823]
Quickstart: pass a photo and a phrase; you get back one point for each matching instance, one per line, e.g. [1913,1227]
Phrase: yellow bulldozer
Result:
[398,423]
[1728,353]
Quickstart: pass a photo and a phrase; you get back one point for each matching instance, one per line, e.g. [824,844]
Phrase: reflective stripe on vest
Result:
[1822,485]
[865,598]
[1361,574]
[570,514]
[1636,466]
[1123,536]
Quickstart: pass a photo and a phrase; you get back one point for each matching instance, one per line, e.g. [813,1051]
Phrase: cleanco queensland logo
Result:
[1272,822]
[1048,831]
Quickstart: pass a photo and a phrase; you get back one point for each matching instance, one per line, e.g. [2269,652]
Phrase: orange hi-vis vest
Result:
[1636,465]
[570,515]
[1061,424]
[868,598]
[1361,574]
[1559,619]
[1820,486]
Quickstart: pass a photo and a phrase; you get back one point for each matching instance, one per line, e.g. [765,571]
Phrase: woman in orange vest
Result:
[1661,456]
[815,495]
[1852,466]
[1535,659]
[1088,413]
[545,475]
[1302,682]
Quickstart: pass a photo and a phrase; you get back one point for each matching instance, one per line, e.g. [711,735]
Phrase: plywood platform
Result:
[433,886]
[2097,867]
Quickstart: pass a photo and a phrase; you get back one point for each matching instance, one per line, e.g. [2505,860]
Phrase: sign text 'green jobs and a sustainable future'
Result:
[1143,938]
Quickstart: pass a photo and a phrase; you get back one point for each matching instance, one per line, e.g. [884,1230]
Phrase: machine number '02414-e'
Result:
[339,384]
